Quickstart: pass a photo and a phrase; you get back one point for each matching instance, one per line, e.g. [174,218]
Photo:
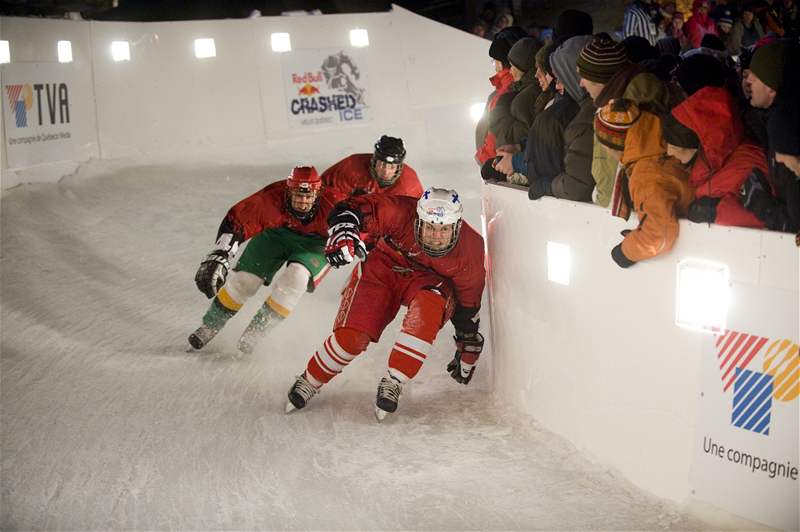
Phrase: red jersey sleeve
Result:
[407,185]
[257,212]
[349,176]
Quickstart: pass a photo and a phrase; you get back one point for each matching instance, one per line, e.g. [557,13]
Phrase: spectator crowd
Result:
[691,111]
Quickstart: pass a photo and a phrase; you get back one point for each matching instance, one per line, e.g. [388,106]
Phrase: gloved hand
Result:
[468,350]
[703,210]
[755,190]
[212,272]
[344,241]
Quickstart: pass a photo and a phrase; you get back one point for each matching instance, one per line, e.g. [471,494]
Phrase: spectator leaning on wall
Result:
[654,185]
[574,181]
[774,85]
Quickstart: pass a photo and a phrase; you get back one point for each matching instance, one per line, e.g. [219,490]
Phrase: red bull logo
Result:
[308,90]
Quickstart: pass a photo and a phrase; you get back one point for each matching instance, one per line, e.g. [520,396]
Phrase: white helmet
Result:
[438,206]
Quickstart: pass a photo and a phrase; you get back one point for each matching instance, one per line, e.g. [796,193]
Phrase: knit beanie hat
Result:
[698,71]
[543,58]
[712,42]
[600,59]
[677,134]
[523,54]
[613,120]
[767,65]
[571,23]
[639,49]
[503,41]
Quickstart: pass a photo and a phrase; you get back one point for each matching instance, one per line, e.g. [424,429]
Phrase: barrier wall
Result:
[420,78]
[602,361]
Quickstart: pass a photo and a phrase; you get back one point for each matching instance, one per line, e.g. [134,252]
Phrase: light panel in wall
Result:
[64,51]
[359,38]
[5,52]
[703,295]
[204,48]
[281,42]
[476,111]
[120,51]
[559,263]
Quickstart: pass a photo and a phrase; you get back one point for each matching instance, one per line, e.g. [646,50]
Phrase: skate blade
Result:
[289,408]
[380,414]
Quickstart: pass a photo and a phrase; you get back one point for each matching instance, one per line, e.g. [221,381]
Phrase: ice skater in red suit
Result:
[426,259]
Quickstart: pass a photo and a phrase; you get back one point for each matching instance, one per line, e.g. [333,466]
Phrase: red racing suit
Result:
[351,176]
[398,272]
[267,209]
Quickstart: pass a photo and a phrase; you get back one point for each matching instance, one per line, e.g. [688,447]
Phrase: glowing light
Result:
[703,295]
[204,48]
[559,263]
[5,52]
[120,51]
[476,111]
[64,52]
[359,38]
[281,42]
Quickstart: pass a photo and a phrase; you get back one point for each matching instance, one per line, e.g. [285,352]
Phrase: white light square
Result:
[281,42]
[559,263]
[703,295]
[359,38]
[476,111]
[120,51]
[64,52]
[204,48]
[5,52]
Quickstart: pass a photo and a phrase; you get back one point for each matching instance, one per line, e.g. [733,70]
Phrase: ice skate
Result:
[300,394]
[264,320]
[389,391]
[202,336]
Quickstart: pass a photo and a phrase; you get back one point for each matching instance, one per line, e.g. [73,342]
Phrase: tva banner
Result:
[746,455]
[325,87]
[42,117]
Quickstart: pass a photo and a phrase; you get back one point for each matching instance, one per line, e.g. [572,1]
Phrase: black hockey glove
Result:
[468,350]
[344,241]
[212,272]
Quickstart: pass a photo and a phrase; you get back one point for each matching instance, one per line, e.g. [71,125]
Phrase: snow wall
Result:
[600,360]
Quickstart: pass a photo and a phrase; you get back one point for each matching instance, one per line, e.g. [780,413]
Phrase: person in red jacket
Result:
[429,261]
[700,24]
[720,157]
[285,222]
[384,170]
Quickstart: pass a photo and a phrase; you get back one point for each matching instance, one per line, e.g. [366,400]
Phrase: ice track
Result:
[108,423]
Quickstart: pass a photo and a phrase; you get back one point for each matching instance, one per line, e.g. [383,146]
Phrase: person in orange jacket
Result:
[657,185]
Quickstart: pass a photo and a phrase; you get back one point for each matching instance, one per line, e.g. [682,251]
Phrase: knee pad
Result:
[425,315]
[289,288]
[351,340]
[239,287]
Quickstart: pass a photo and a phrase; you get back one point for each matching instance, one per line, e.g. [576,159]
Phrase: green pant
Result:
[269,250]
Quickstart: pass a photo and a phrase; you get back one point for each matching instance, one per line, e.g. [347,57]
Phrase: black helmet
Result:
[391,151]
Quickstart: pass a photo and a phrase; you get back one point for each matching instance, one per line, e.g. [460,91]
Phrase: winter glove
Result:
[540,187]
[703,210]
[620,258]
[468,349]
[518,178]
[755,191]
[212,272]
[344,242]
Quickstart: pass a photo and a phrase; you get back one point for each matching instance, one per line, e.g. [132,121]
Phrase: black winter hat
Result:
[712,42]
[639,49]
[523,54]
[698,71]
[571,23]
[677,134]
[503,41]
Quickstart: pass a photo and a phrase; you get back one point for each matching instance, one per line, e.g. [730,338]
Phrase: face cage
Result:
[418,224]
[383,183]
[302,216]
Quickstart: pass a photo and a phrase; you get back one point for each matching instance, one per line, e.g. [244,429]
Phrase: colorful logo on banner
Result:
[51,99]
[332,93]
[777,377]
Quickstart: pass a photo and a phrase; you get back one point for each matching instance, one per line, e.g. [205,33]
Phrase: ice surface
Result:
[108,423]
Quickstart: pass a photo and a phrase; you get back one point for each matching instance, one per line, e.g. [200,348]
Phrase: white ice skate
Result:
[264,320]
[389,391]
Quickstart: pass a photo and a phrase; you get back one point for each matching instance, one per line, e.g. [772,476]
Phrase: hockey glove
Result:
[212,272]
[468,349]
[344,242]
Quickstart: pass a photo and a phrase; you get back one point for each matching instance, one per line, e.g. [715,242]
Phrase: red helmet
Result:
[304,179]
